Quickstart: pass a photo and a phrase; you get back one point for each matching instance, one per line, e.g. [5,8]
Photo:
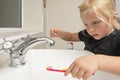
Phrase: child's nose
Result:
[91,29]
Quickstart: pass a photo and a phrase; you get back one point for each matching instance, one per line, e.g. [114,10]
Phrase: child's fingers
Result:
[69,70]
[87,75]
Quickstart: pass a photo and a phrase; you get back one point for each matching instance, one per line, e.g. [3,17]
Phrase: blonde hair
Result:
[105,8]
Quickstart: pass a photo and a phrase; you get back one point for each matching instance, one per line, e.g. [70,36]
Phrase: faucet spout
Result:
[34,42]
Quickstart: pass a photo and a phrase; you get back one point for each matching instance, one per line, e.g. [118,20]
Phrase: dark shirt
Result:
[109,45]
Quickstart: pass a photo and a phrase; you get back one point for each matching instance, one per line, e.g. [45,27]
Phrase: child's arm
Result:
[67,36]
[109,63]
[87,66]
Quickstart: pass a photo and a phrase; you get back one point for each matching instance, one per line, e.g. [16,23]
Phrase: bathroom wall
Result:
[64,14]
[32,17]
[118,6]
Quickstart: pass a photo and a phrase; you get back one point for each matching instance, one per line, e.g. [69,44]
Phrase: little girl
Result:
[101,37]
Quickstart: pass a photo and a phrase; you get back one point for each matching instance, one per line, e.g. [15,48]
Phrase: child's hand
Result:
[83,67]
[55,32]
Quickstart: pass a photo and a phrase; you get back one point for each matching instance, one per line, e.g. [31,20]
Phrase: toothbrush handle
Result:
[56,70]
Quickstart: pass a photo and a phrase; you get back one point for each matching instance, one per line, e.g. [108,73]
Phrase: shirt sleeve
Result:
[83,35]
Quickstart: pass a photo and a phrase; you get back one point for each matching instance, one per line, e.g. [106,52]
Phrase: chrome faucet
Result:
[17,53]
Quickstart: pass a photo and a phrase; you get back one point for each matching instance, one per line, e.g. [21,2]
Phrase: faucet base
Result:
[16,65]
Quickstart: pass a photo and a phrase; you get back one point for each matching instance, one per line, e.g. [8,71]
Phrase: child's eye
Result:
[96,22]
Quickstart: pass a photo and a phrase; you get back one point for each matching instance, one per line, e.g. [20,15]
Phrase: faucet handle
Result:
[28,37]
[6,45]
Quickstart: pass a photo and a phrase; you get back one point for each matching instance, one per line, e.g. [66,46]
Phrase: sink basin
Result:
[38,59]
[21,73]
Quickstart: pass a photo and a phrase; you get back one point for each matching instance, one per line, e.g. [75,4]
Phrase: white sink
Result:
[38,60]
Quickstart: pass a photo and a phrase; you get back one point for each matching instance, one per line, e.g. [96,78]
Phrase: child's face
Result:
[94,26]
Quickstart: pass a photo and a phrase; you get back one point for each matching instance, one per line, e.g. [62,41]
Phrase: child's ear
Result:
[114,22]
[113,19]
[116,16]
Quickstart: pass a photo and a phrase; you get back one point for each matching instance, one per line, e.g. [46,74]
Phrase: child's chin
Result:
[97,38]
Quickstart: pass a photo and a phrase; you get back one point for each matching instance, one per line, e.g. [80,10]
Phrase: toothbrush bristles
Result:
[49,68]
